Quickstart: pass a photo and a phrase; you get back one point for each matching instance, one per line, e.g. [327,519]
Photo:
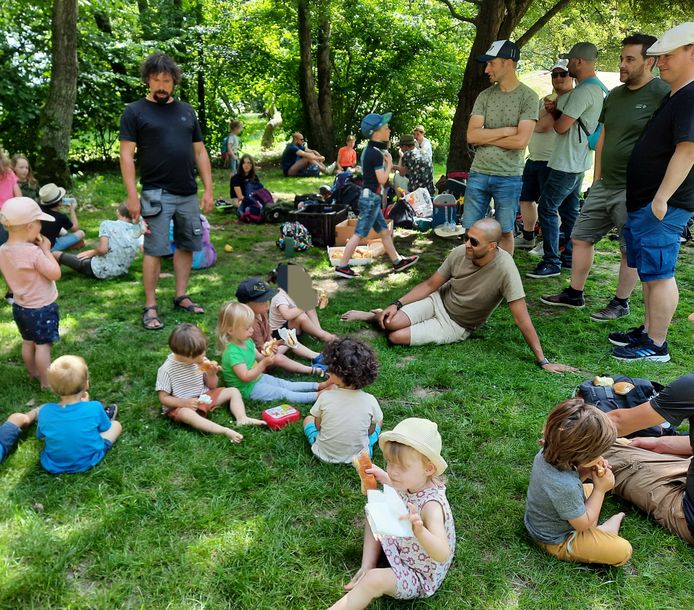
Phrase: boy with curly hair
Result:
[345,420]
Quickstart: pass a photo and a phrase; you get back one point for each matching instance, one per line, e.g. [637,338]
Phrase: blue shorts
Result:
[534,177]
[370,214]
[39,325]
[184,210]
[652,244]
[481,188]
[9,435]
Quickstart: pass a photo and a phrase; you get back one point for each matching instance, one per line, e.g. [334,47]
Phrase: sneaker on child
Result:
[346,272]
[405,262]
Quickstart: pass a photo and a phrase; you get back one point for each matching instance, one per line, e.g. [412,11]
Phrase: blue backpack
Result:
[595,136]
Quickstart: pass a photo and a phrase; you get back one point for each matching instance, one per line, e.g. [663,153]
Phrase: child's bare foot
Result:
[363,316]
[249,421]
[234,436]
[612,524]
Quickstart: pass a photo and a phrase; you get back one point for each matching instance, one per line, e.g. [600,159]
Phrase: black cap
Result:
[503,49]
[253,290]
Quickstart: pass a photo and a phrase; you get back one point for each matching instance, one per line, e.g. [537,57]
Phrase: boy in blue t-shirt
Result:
[376,165]
[11,430]
[78,432]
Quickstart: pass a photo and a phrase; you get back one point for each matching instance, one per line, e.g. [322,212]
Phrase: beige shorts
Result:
[430,322]
[603,210]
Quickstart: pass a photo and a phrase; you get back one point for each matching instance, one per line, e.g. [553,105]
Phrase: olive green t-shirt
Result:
[541,144]
[625,114]
[472,293]
[503,109]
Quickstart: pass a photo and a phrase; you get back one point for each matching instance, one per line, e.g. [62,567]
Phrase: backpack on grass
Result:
[297,233]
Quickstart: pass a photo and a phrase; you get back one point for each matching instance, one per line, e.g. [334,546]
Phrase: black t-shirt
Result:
[671,124]
[676,403]
[237,180]
[51,230]
[289,156]
[371,160]
[164,134]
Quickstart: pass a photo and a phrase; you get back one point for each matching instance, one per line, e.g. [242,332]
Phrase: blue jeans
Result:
[273,388]
[561,194]
[63,242]
[481,188]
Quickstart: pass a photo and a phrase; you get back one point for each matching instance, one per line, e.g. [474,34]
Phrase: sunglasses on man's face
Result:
[473,242]
[559,74]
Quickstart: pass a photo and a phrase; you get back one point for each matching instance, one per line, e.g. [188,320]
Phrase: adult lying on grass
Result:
[459,297]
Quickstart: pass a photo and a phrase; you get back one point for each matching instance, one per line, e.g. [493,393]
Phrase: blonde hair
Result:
[68,375]
[4,163]
[233,318]
[400,454]
[31,181]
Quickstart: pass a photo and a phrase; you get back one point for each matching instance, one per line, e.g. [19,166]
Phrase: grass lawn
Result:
[176,519]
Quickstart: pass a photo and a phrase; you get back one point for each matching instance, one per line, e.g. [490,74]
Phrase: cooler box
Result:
[445,210]
[345,229]
[279,416]
[321,225]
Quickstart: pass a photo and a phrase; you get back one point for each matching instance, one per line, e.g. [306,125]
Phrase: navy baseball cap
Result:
[503,49]
[254,290]
[372,122]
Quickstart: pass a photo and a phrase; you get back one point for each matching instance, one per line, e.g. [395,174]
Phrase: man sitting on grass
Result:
[459,297]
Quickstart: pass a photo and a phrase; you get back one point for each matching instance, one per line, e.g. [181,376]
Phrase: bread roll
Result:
[269,347]
[361,462]
[606,382]
[622,387]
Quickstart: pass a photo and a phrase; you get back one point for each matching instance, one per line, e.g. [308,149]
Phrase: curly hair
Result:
[158,63]
[353,361]
[576,433]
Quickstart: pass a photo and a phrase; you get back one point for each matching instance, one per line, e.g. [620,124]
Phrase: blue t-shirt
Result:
[289,156]
[371,160]
[73,435]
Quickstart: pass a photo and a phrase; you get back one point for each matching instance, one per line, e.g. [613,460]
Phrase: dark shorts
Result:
[39,325]
[9,435]
[184,210]
[652,244]
[534,176]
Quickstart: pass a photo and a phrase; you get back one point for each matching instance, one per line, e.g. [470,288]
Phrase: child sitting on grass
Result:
[11,430]
[119,243]
[416,566]
[30,272]
[242,371]
[257,294]
[345,420]
[187,385]
[64,232]
[77,431]
[561,513]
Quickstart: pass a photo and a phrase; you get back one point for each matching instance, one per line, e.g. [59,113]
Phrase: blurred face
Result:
[677,66]
[633,68]
[21,170]
[412,474]
[161,87]
[561,81]
[476,245]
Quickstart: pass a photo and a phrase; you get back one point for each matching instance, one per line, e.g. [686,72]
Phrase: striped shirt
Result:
[180,379]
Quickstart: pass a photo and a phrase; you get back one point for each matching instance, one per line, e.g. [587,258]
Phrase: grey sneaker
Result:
[538,251]
[520,243]
[612,311]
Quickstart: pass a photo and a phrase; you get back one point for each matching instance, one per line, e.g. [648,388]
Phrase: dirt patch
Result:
[263,246]
[366,334]
[77,577]
[404,361]
[424,393]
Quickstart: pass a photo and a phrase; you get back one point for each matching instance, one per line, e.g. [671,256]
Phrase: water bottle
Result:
[69,201]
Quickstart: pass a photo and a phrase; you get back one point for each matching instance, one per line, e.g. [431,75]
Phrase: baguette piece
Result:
[361,462]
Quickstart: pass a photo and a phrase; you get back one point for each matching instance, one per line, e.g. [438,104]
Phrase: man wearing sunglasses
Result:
[297,160]
[460,296]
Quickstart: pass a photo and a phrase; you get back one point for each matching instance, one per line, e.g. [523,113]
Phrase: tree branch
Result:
[539,24]
[456,15]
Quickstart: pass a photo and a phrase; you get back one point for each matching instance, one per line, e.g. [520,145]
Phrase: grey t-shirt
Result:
[503,109]
[571,153]
[554,497]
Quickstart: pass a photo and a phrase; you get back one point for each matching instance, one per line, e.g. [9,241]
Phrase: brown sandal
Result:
[192,308]
[151,321]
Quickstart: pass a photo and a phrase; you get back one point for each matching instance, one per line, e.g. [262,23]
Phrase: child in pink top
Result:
[9,187]
[31,271]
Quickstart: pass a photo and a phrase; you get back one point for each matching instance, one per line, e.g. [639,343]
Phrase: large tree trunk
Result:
[325,98]
[202,111]
[268,139]
[56,116]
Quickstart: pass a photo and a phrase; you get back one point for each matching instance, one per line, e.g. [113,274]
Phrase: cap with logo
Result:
[254,290]
[679,36]
[582,50]
[372,122]
[503,49]
[560,64]
[21,211]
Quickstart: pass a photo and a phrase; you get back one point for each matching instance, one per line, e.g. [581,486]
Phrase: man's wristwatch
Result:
[542,362]
[397,303]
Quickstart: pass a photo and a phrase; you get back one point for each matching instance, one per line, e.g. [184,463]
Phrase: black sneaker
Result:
[111,410]
[405,263]
[633,335]
[612,311]
[563,299]
[346,272]
[544,270]
[645,349]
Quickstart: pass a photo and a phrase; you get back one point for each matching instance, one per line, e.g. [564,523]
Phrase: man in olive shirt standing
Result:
[502,121]
[625,112]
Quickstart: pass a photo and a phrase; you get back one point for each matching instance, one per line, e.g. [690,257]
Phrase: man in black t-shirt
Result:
[660,198]
[168,139]
[297,160]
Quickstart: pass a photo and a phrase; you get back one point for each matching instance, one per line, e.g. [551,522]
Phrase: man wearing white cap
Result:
[500,126]
[660,198]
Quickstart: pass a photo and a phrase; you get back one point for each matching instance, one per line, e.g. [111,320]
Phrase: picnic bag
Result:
[296,232]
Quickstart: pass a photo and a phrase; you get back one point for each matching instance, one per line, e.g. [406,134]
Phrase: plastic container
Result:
[321,225]
[280,416]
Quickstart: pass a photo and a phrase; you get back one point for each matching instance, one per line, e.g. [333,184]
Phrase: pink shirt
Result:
[7,184]
[24,266]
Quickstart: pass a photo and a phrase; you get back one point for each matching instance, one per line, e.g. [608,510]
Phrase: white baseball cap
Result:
[560,64]
[679,36]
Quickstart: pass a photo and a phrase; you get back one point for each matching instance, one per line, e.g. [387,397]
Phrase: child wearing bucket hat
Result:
[31,271]
[417,566]
[64,232]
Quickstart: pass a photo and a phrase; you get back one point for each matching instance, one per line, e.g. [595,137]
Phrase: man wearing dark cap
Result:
[502,121]
[576,118]
[414,165]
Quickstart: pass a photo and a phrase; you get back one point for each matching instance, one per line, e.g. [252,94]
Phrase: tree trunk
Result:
[55,124]
[324,69]
[202,111]
[268,139]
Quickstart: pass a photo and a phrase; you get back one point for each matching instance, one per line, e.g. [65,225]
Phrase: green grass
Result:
[176,519]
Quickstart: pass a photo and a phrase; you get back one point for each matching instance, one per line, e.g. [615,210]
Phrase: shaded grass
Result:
[177,519]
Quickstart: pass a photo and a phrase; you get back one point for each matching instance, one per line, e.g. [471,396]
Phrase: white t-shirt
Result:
[123,246]
[276,318]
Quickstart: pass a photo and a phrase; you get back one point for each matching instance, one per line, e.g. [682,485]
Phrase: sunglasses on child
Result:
[559,74]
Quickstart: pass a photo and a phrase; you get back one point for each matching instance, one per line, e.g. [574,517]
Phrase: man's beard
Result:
[161,97]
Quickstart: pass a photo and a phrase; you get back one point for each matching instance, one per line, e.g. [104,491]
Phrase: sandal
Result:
[192,308]
[151,321]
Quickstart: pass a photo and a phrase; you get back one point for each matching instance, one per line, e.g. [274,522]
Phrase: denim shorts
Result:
[64,242]
[9,435]
[481,188]
[652,244]
[370,214]
[534,176]
[184,210]
[39,325]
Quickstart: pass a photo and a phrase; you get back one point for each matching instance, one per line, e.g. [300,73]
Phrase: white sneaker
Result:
[330,169]
[520,243]
[538,251]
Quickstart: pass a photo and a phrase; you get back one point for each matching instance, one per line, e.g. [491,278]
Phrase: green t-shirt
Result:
[541,144]
[239,354]
[503,109]
[625,114]
[571,153]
